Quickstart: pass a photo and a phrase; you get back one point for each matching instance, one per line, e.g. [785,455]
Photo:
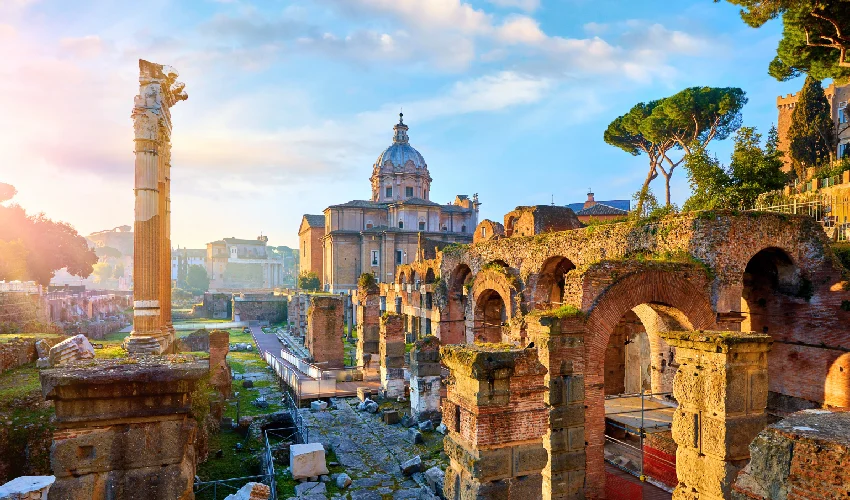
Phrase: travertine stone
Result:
[124,429]
[251,491]
[368,324]
[75,348]
[307,460]
[324,331]
[219,369]
[27,488]
[425,379]
[496,416]
[158,91]
[391,354]
[721,386]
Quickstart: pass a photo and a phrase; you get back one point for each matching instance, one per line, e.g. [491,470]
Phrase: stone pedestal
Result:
[495,415]
[425,379]
[368,325]
[391,354]
[560,348]
[721,387]
[124,429]
[324,331]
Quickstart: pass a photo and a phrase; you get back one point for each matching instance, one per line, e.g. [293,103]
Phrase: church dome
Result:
[400,151]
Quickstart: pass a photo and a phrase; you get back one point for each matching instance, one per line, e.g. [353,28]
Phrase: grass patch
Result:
[113,338]
[565,311]
[8,337]
[110,352]
[18,383]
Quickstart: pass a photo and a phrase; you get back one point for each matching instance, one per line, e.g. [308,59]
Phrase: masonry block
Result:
[324,331]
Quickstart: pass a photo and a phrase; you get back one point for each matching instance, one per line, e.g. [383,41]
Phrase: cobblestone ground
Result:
[371,452]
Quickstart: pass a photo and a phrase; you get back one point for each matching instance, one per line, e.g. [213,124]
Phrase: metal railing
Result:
[831,211]
[301,428]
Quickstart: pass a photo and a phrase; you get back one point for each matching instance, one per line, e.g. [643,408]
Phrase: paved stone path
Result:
[372,452]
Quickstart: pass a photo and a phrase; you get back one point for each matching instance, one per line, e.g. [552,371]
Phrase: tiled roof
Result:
[415,201]
[315,220]
[360,204]
[602,209]
[621,204]
[239,241]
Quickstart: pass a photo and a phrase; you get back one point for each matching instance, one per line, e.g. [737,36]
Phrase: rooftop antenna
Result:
[553,199]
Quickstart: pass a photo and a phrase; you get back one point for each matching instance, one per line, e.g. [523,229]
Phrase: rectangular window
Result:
[842,113]
[844,150]
[408,191]
[483,232]
[389,192]
[374,257]
[398,256]
[421,225]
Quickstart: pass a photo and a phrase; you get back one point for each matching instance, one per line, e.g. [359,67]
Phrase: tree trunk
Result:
[645,189]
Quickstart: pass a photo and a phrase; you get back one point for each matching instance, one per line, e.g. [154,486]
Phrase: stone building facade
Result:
[377,235]
[310,235]
[838,97]
[234,264]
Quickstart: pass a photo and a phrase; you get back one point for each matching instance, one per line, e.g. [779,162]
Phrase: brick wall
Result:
[324,331]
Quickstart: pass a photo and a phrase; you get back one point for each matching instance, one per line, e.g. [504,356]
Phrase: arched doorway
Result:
[773,292]
[549,292]
[429,276]
[636,303]
[453,329]
[490,317]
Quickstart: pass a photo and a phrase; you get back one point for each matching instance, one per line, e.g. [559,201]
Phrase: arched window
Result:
[369,224]
[462,229]
[401,224]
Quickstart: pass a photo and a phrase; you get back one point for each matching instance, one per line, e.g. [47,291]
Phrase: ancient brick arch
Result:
[671,288]
[402,278]
[429,276]
[489,285]
[545,288]
[453,328]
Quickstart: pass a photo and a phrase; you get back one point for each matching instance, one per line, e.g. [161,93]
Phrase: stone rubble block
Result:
[310,488]
[42,348]
[307,460]
[42,363]
[414,436]
[411,466]
[318,406]
[75,348]
[343,481]
[364,393]
[27,488]
[251,491]
[435,478]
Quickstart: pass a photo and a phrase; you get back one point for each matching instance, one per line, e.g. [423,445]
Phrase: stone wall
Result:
[124,429]
[368,312]
[20,351]
[219,346]
[538,219]
[803,456]
[197,341]
[271,308]
[324,331]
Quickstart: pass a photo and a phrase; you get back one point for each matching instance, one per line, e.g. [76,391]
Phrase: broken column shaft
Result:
[368,324]
[324,331]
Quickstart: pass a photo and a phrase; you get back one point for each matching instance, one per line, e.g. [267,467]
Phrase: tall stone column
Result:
[158,91]
[124,430]
[425,379]
[391,354]
[495,415]
[560,348]
[721,387]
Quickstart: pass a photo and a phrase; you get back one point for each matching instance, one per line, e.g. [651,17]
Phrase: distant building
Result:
[234,263]
[838,98]
[310,236]
[377,235]
[592,210]
[183,258]
[119,238]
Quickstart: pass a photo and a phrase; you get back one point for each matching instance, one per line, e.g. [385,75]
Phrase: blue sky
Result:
[290,102]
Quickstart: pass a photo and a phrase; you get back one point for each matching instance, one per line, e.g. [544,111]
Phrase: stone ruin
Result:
[495,415]
[368,311]
[124,428]
[391,355]
[159,90]
[425,379]
[219,369]
[324,331]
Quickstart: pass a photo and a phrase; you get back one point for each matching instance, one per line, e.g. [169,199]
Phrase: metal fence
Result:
[303,433]
[210,490]
[831,211]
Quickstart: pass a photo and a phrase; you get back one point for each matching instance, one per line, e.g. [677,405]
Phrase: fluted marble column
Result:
[158,91]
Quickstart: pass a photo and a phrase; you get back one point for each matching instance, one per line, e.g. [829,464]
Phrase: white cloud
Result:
[83,47]
[521,29]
